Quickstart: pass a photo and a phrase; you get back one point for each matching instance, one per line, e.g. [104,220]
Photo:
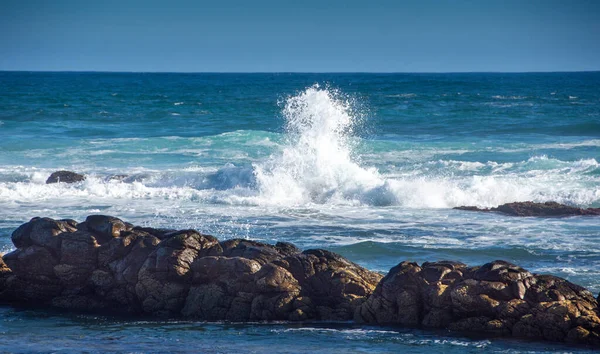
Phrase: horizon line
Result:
[299,72]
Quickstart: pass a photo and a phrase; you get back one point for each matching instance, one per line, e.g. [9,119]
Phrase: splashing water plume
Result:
[316,163]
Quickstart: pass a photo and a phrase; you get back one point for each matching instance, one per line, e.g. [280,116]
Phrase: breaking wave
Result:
[315,162]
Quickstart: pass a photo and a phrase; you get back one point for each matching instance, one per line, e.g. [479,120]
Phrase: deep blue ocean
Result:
[365,165]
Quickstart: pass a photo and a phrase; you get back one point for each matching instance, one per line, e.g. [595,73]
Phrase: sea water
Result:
[366,165]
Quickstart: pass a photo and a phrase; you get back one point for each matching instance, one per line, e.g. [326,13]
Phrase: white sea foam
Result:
[92,188]
[315,163]
[500,97]
[362,333]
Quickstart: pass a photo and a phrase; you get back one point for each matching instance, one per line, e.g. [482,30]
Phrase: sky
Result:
[300,35]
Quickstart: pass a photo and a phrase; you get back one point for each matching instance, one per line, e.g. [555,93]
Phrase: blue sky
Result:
[300,35]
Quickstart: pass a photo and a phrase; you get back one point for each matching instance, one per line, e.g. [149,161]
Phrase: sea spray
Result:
[316,164]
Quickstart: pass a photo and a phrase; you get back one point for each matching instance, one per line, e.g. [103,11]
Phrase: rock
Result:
[158,233]
[471,208]
[107,265]
[65,177]
[547,209]
[497,298]
[106,227]
[42,232]
[31,262]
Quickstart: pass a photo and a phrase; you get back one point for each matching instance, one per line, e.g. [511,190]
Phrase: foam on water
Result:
[317,165]
[316,162]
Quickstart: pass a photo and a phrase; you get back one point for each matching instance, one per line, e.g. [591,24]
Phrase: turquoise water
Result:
[365,165]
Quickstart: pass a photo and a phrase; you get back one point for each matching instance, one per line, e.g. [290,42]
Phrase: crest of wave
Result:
[316,164]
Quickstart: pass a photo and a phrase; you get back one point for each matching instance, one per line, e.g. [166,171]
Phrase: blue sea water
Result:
[365,165]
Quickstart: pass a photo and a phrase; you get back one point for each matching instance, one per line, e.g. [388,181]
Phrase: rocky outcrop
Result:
[65,177]
[498,298]
[106,264]
[547,209]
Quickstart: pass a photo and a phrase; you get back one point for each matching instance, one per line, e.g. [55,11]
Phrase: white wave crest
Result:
[317,165]
[316,162]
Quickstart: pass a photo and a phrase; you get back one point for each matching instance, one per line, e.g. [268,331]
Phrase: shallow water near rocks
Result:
[29,330]
[365,165]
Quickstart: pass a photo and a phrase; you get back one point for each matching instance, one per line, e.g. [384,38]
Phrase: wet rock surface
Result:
[65,177]
[108,265]
[547,209]
[498,298]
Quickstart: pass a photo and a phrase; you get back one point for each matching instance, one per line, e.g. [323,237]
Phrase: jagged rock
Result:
[332,284]
[498,298]
[65,177]
[31,261]
[105,264]
[547,209]
[163,279]
[257,251]
[106,227]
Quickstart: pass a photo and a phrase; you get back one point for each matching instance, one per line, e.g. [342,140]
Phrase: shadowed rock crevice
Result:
[108,265]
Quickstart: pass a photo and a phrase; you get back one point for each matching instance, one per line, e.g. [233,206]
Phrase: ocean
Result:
[365,165]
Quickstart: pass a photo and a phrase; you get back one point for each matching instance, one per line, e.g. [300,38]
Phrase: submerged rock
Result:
[547,209]
[65,177]
[106,264]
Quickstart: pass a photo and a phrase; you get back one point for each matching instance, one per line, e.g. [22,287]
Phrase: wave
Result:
[317,165]
[535,165]
[316,162]
[239,185]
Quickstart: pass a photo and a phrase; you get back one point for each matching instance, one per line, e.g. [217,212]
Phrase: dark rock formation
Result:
[547,209]
[106,264]
[497,298]
[65,177]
